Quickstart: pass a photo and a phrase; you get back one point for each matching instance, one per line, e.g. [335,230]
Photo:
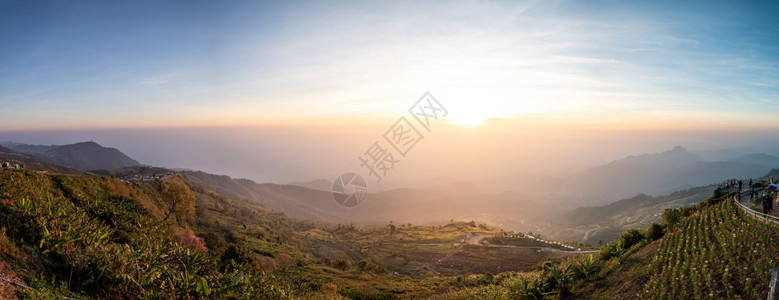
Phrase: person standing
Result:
[765,203]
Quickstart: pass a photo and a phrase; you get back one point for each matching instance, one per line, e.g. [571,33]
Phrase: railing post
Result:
[774,293]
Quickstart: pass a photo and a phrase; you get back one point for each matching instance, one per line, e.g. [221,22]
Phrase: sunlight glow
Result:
[470,120]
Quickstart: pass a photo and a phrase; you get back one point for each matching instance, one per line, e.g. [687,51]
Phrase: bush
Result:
[717,193]
[216,242]
[630,238]
[610,250]
[671,216]
[238,255]
[369,266]
[558,277]
[329,289]
[342,264]
[687,211]
[587,267]
[189,239]
[654,232]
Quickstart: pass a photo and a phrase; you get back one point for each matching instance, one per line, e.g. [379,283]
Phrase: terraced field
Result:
[718,253]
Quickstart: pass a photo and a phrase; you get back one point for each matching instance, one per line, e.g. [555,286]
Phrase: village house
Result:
[7,165]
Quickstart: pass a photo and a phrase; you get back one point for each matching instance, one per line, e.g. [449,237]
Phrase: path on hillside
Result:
[587,233]
[744,194]
[480,240]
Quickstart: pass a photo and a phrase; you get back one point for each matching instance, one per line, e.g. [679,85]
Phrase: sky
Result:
[283,91]
[137,64]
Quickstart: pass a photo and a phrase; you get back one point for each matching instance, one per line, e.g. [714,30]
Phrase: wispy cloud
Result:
[500,59]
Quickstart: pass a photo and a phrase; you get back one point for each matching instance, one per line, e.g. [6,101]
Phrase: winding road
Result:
[480,240]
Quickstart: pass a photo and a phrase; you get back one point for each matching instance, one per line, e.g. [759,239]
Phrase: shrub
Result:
[369,266]
[611,250]
[687,211]
[238,255]
[216,242]
[329,288]
[654,232]
[587,267]
[671,216]
[285,260]
[630,238]
[267,263]
[342,264]
[189,239]
[558,277]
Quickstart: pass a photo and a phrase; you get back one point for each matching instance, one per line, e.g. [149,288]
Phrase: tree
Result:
[143,170]
[178,198]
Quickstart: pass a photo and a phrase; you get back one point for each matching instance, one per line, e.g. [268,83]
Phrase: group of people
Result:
[732,183]
[767,198]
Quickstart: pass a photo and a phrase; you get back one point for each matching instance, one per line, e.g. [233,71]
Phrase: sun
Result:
[470,115]
[470,120]
[473,107]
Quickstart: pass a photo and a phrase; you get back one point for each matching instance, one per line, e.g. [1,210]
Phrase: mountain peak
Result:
[83,155]
[679,149]
[85,145]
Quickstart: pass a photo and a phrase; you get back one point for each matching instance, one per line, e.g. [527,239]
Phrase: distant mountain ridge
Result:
[319,184]
[35,163]
[84,155]
[653,174]
[406,205]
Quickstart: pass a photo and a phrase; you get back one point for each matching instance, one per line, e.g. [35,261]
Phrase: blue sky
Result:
[70,64]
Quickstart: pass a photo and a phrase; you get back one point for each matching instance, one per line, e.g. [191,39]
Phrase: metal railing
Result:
[756,214]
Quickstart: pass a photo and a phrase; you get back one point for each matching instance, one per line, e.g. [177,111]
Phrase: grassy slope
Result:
[88,236]
[718,252]
[97,237]
[606,223]
[713,252]
[61,231]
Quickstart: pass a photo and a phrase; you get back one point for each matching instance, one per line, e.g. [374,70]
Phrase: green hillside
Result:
[708,251]
[92,236]
[87,236]
[98,237]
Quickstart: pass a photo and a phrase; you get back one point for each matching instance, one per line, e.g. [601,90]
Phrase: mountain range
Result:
[84,155]
[443,199]
[418,206]
[652,174]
